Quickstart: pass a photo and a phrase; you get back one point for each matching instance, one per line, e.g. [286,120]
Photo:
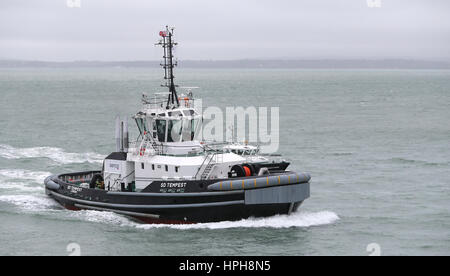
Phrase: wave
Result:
[299,219]
[418,162]
[341,153]
[22,180]
[57,155]
[30,202]
[17,174]
[21,186]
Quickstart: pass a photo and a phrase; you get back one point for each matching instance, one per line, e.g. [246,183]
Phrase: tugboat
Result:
[169,176]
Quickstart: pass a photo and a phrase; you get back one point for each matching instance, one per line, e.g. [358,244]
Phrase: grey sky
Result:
[225,29]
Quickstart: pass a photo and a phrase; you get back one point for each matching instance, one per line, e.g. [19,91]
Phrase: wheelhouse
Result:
[169,126]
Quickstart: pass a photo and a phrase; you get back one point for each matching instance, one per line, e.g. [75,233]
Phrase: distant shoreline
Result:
[249,64]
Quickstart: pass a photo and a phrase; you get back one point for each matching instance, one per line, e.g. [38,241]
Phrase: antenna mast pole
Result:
[167,43]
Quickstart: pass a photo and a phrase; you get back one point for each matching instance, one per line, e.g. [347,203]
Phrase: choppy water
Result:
[377,144]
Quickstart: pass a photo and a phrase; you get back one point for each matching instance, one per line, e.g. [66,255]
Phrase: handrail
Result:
[211,156]
[199,168]
[209,163]
[214,159]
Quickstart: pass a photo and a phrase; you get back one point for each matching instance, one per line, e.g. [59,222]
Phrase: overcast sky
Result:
[225,29]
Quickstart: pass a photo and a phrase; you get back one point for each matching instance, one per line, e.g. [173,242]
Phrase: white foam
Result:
[21,186]
[30,202]
[102,217]
[299,219]
[22,180]
[18,174]
[55,154]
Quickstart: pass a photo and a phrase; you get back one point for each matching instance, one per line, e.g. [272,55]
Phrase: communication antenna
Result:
[168,64]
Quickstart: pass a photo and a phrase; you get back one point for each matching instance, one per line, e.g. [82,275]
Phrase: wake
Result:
[57,155]
[22,180]
[301,219]
[19,174]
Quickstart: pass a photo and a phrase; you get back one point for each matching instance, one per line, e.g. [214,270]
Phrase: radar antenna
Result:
[167,43]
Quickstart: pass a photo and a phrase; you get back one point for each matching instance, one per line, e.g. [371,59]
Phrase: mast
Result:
[167,43]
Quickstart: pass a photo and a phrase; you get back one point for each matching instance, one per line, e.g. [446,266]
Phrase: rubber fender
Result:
[50,184]
[260,182]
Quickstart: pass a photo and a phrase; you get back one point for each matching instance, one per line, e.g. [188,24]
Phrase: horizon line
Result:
[236,59]
[385,63]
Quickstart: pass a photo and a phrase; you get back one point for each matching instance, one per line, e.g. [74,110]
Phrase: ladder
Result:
[208,170]
[209,165]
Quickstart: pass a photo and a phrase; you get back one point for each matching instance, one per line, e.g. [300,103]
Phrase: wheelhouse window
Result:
[174,130]
[161,130]
[195,125]
[187,130]
[142,125]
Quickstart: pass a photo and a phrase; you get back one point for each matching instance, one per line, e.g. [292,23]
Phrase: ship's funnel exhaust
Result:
[122,134]
[118,135]
[125,134]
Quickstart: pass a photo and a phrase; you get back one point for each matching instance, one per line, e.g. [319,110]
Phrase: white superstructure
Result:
[168,147]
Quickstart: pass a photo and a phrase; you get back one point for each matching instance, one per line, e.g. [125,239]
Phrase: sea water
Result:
[376,143]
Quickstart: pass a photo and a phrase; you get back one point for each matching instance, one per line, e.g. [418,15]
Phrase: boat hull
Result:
[191,207]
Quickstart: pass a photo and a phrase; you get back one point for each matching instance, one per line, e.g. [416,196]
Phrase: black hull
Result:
[191,215]
[191,207]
